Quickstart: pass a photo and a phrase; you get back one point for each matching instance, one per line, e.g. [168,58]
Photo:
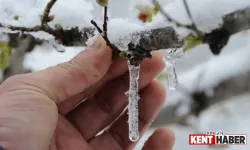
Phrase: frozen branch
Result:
[161,38]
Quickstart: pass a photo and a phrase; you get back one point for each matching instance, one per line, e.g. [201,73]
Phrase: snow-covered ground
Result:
[231,116]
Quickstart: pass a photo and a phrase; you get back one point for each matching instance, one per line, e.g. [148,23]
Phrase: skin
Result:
[38,110]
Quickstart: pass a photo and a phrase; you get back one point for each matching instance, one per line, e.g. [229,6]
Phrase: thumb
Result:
[70,78]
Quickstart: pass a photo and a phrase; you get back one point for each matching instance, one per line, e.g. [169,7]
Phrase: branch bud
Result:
[146,13]
[50,18]
[103,3]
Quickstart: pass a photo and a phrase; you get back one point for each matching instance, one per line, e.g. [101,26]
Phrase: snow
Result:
[126,29]
[67,13]
[80,13]
[45,56]
[207,14]
[231,62]
[4,37]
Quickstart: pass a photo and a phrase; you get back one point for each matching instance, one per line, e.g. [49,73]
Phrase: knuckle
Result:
[98,68]
[90,72]
[12,81]
[75,71]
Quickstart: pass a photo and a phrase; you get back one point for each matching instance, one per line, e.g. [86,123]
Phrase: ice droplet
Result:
[58,47]
[170,58]
[133,97]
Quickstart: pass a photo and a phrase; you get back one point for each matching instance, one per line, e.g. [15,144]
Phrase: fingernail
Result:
[99,43]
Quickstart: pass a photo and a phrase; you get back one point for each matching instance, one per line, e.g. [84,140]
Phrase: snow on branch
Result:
[155,39]
[161,38]
[232,24]
[200,102]
[216,39]
[46,18]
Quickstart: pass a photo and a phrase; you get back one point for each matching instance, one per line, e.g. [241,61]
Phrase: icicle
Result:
[58,47]
[170,59]
[172,77]
[133,97]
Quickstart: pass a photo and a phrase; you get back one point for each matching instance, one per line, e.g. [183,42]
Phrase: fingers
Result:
[94,115]
[152,98]
[66,137]
[118,68]
[161,139]
[70,78]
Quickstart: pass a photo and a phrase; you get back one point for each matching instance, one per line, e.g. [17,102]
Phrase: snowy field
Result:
[232,116]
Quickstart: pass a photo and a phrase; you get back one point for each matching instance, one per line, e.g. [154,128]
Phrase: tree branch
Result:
[232,23]
[105,22]
[161,38]
[237,21]
[194,26]
[170,19]
[223,91]
[45,18]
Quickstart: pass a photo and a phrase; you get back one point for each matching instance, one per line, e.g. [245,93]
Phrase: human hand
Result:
[37,110]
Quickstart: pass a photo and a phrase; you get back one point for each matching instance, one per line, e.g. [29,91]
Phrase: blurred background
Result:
[221,81]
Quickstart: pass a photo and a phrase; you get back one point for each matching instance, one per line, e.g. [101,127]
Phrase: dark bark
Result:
[161,38]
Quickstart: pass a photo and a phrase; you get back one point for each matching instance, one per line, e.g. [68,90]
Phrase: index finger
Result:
[70,78]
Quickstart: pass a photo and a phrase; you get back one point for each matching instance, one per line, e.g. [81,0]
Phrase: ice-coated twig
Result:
[133,97]
[170,59]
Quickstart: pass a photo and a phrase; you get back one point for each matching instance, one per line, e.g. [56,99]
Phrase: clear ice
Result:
[170,58]
[133,97]
[56,46]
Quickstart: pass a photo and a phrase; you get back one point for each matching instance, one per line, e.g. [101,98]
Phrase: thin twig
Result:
[44,19]
[97,27]
[105,23]
[104,37]
[170,19]
[188,11]
[194,26]
[46,29]
[44,23]
[25,29]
